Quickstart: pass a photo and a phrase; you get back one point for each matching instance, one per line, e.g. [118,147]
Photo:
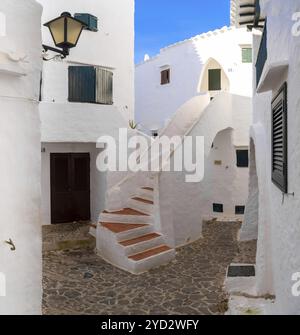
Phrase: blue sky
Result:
[159,23]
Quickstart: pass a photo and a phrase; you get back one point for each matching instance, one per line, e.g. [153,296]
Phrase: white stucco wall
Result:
[188,62]
[20,66]
[184,206]
[111,47]
[279,216]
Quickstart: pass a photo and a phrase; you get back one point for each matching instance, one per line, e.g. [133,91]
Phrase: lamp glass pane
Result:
[57,30]
[74,30]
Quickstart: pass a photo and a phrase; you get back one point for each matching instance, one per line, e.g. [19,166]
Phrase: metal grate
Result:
[241,271]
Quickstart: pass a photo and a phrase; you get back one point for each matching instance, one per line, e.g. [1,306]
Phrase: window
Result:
[247,55]
[214,80]
[165,77]
[242,158]
[239,210]
[90,84]
[218,208]
[279,140]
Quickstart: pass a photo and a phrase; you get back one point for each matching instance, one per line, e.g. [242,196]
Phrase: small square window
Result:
[165,77]
[247,55]
[239,210]
[218,208]
[242,158]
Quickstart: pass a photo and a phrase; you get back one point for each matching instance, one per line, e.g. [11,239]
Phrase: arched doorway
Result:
[213,78]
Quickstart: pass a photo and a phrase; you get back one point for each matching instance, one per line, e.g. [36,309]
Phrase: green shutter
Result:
[246,55]
[279,140]
[214,80]
[82,83]
[104,86]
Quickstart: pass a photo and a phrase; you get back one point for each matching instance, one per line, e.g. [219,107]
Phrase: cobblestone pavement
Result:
[67,236]
[79,282]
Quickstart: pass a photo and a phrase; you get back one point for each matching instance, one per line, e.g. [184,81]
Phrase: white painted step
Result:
[142,246]
[148,195]
[124,218]
[134,233]
[141,206]
[152,262]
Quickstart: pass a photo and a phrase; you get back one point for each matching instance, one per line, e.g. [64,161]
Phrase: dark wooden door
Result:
[70,187]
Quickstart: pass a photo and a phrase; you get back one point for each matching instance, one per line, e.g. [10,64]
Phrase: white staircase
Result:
[126,234]
[127,238]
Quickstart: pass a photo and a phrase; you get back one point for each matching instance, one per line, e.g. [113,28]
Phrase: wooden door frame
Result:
[70,176]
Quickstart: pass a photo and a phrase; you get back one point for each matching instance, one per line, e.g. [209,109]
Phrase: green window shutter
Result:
[247,55]
[104,86]
[214,80]
[279,140]
[82,83]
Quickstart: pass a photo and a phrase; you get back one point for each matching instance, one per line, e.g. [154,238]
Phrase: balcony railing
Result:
[262,56]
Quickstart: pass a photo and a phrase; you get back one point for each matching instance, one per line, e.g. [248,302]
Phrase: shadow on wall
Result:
[249,230]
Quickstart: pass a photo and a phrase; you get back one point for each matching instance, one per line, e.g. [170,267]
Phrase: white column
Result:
[20,67]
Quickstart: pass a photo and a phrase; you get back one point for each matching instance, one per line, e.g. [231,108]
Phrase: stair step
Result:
[149,253]
[121,227]
[145,201]
[127,211]
[148,188]
[139,239]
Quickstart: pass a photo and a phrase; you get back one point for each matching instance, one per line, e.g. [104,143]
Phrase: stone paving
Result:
[78,282]
[67,236]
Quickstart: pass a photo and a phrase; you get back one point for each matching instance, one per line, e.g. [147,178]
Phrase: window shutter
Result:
[279,140]
[104,86]
[246,55]
[165,77]
[214,80]
[82,82]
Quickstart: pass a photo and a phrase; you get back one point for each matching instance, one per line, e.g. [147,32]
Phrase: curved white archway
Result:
[203,86]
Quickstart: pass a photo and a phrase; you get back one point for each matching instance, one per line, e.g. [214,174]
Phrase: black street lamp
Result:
[65,31]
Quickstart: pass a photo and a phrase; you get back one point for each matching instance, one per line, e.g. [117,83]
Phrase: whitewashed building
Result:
[85,96]
[273,214]
[20,168]
[211,62]
[198,87]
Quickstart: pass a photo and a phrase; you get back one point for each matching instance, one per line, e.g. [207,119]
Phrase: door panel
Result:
[70,187]
[81,186]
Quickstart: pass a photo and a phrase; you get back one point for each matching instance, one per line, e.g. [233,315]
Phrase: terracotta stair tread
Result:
[145,201]
[148,188]
[121,227]
[148,253]
[139,239]
[127,211]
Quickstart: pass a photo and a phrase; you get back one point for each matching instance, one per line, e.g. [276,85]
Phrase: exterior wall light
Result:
[65,31]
